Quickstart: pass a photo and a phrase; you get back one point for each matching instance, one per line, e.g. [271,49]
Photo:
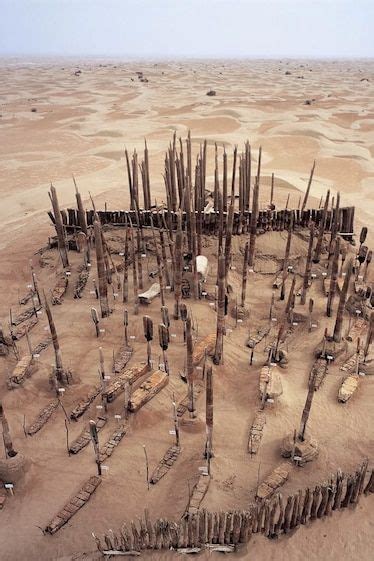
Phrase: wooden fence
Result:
[208,223]
[271,517]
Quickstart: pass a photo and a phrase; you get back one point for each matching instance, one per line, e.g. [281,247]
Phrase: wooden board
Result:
[348,388]
[273,481]
[256,432]
[22,370]
[205,345]
[129,376]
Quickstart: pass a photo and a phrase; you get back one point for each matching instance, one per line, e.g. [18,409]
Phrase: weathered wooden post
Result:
[60,231]
[369,336]
[95,319]
[59,373]
[307,407]
[209,416]
[178,268]
[286,260]
[101,270]
[190,369]
[81,212]
[183,315]
[134,276]
[220,311]
[308,266]
[7,439]
[334,278]
[163,336]
[95,443]
[253,225]
[308,187]
[245,274]
[125,289]
[148,334]
[337,335]
[321,230]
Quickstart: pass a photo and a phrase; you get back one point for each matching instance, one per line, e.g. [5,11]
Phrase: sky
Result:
[188,28]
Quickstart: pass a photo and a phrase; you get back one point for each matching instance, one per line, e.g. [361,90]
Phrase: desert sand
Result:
[56,122]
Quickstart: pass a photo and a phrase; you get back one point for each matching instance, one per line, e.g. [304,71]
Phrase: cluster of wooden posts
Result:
[273,517]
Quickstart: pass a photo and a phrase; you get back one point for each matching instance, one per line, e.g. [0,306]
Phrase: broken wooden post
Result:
[60,230]
[220,311]
[190,369]
[95,319]
[337,335]
[101,270]
[148,334]
[209,416]
[95,443]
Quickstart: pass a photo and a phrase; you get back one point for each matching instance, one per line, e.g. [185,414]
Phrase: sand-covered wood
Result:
[147,390]
[205,345]
[348,388]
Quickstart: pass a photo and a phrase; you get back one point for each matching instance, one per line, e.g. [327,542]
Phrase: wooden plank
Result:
[147,390]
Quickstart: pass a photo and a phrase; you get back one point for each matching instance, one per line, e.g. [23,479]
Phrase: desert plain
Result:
[67,117]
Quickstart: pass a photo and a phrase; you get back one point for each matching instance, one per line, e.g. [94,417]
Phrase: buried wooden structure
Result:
[202,529]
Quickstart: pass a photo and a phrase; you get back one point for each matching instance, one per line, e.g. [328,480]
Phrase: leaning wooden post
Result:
[308,187]
[307,407]
[220,311]
[337,335]
[59,228]
[59,368]
[8,444]
[101,270]
[321,230]
[308,266]
[286,259]
[190,369]
[148,334]
[334,278]
[209,416]
[245,274]
[178,268]
[95,443]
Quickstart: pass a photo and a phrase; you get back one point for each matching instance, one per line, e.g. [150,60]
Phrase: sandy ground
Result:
[80,127]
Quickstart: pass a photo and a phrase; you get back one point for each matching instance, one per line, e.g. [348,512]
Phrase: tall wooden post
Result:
[209,416]
[220,311]
[334,278]
[60,231]
[308,266]
[321,230]
[59,368]
[286,259]
[308,187]
[148,334]
[307,407]
[101,271]
[178,268]
[337,335]
[253,225]
[95,443]
[190,369]
[245,274]
[81,212]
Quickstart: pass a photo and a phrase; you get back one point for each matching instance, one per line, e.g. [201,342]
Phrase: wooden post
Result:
[308,266]
[134,276]
[286,259]
[81,212]
[337,335]
[148,334]
[307,407]
[178,268]
[59,368]
[190,369]
[228,241]
[220,311]
[209,416]
[334,278]
[308,187]
[95,319]
[245,274]
[163,336]
[253,225]
[59,228]
[8,444]
[95,443]
[101,270]
[321,230]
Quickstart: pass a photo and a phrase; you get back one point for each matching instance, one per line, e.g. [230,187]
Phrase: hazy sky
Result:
[197,28]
